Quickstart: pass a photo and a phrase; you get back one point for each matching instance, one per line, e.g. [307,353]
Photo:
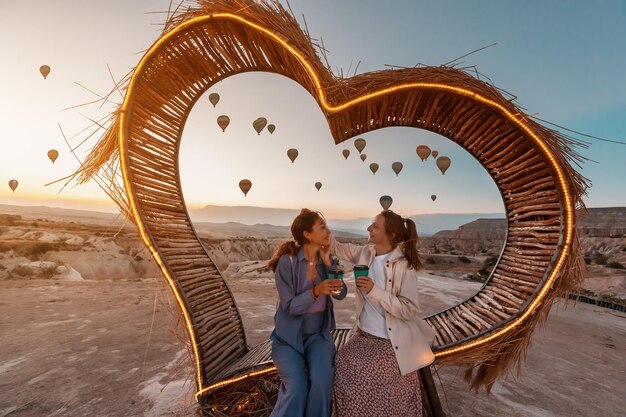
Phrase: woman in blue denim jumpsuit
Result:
[302,346]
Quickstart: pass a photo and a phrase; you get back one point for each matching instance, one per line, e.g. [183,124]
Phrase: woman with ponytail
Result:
[376,371]
[302,346]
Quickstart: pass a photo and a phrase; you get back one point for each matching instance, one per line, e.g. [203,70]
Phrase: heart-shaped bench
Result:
[528,163]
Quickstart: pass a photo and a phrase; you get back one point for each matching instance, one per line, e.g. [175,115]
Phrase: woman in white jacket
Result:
[376,370]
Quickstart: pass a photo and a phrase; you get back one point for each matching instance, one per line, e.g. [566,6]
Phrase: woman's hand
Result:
[325,254]
[365,284]
[328,286]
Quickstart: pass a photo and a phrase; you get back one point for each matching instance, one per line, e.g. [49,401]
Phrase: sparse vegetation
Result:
[9,219]
[465,259]
[23,271]
[48,271]
[491,261]
[430,260]
[32,250]
[599,258]
[476,277]
[615,265]
[488,266]
[587,260]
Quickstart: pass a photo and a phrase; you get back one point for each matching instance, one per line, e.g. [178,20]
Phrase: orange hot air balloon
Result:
[346,153]
[292,154]
[397,167]
[223,121]
[363,157]
[244,186]
[259,124]
[433,197]
[423,152]
[13,184]
[359,144]
[271,128]
[385,201]
[434,154]
[318,185]
[214,98]
[44,70]
[443,163]
[53,154]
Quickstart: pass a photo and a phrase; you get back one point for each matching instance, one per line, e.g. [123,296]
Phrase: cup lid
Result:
[361,268]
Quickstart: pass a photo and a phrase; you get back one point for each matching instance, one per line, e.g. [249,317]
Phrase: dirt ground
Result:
[109,348]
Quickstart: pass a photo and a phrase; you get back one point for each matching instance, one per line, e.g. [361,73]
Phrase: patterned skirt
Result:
[368,381]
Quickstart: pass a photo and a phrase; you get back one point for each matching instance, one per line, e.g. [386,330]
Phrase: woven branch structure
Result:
[530,164]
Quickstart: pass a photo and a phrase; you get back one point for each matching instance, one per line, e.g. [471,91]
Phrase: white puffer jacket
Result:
[410,336]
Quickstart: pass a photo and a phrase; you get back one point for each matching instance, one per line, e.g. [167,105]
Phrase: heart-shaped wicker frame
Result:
[218,39]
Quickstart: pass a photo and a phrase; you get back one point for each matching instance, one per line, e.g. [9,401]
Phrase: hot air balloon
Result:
[223,121]
[53,154]
[244,186]
[443,163]
[363,157]
[397,167]
[346,153]
[292,154]
[318,185]
[259,124]
[44,70]
[359,144]
[374,167]
[423,152]
[271,128]
[214,98]
[433,197]
[13,185]
[434,153]
[385,201]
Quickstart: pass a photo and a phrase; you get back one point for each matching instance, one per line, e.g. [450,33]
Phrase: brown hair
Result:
[302,223]
[403,232]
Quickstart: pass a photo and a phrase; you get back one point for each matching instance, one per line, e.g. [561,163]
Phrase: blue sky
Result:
[565,61]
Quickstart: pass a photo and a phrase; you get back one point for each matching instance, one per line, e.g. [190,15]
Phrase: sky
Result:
[564,61]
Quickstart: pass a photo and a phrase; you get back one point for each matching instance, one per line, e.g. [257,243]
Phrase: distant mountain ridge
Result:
[605,221]
[427,224]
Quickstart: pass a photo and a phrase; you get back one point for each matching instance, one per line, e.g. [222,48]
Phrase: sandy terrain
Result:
[108,348]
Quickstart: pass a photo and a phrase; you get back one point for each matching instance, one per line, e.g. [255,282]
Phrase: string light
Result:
[569,222]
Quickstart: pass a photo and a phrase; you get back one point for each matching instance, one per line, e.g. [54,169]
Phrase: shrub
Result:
[430,260]
[40,248]
[491,261]
[599,258]
[624,249]
[49,271]
[587,260]
[23,271]
[465,260]
[615,265]
[476,277]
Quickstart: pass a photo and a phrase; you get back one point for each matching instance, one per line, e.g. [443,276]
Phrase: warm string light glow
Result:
[332,109]
[233,380]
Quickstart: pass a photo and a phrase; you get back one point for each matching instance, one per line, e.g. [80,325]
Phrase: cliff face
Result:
[603,222]
[227,251]
[482,236]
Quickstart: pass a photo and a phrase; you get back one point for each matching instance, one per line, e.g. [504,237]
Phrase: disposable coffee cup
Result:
[335,274]
[360,271]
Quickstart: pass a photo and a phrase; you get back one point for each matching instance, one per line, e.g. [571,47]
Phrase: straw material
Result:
[188,60]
